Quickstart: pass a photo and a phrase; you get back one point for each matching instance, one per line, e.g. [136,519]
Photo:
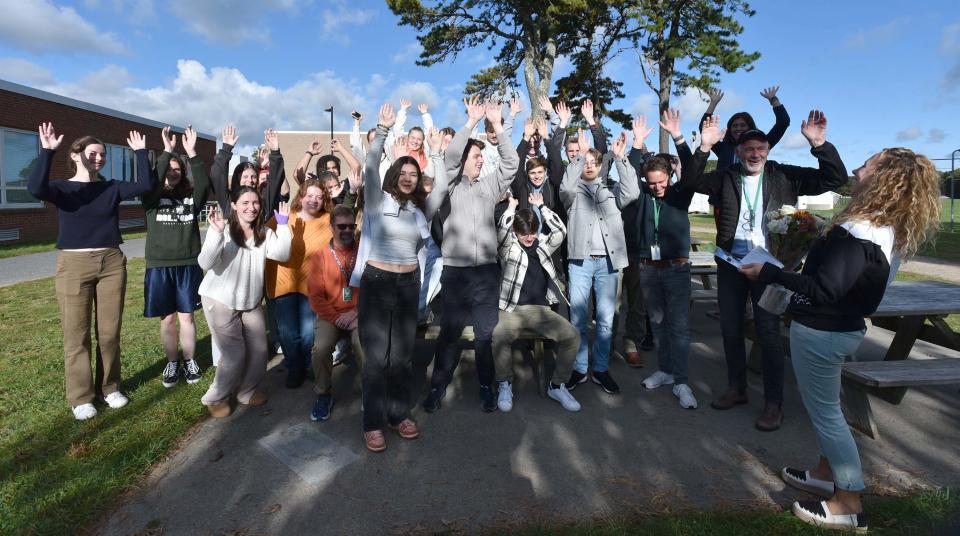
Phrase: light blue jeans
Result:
[818,358]
[431,267]
[599,275]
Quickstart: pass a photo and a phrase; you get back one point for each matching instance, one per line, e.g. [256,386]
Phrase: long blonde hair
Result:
[904,194]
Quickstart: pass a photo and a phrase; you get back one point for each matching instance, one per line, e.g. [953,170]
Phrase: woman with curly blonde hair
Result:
[894,209]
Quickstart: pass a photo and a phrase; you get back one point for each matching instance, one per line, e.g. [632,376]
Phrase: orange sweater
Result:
[308,237]
[325,283]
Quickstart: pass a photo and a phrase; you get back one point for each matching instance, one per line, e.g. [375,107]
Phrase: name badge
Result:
[347,294]
[655,252]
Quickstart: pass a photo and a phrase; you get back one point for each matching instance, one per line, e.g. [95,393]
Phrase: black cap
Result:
[753,134]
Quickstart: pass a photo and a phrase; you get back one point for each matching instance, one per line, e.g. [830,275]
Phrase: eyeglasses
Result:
[749,221]
[346,226]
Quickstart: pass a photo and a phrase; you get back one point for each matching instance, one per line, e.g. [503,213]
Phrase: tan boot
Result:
[257,399]
[220,410]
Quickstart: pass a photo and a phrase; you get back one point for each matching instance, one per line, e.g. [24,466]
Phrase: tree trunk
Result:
[663,96]
[538,74]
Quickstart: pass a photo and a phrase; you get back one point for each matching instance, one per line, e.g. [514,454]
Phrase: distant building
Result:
[22,109]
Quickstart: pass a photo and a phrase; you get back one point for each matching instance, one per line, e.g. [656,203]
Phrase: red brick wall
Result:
[26,113]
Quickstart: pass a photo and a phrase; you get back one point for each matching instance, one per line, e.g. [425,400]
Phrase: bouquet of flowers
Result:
[790,233]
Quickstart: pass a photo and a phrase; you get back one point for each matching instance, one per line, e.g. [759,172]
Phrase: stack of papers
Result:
[758,255]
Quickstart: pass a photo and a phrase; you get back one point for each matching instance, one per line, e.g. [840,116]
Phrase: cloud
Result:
[884,34]
[338,22]
[794,141]
[417,92]
[409,53]
[230,22]
[909,134]
[936,135]
[41,26]
[950,40]
[24,72]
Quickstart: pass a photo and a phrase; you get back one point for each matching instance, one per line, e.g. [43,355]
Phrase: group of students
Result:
[523,242]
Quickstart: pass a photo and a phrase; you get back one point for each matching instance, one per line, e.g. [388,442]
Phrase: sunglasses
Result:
[346,226]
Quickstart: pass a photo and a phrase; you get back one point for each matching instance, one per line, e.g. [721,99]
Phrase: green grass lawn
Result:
[58,474]
[40,247]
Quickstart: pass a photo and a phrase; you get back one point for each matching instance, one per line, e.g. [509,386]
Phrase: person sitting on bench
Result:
[527,289]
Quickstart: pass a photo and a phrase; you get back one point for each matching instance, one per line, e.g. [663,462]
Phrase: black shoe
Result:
[488,399]
[605,380]
[295,378]
[192,371]
[576,378]
[432,402]
[647,343]
[171,373]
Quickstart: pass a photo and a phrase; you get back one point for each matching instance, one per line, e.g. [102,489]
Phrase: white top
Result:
[235,274]
[743,240]
[881,236]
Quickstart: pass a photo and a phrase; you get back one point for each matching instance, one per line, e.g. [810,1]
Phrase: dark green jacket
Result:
[173,231]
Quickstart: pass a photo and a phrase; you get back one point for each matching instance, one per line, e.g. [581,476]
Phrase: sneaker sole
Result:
[191,382]
[802,486]
[321,419]
[657,385]
[808,518]
[402,435]
[169,385]
[608,391]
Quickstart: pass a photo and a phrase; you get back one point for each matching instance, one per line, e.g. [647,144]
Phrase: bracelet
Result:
[678,138]
[311,153]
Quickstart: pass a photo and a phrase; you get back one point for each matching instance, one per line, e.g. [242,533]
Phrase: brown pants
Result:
[546,323]
[88,280]
[325,340]
[242,339]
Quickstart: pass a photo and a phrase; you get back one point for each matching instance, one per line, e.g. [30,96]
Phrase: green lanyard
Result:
[752,207]
[656,221]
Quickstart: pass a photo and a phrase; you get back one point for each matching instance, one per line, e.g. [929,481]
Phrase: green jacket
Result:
[173,231]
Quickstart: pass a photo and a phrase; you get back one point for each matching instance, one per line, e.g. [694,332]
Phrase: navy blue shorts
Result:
[171,289]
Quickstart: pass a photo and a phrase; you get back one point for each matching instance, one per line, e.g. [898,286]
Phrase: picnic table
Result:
[912,310]
[703,264]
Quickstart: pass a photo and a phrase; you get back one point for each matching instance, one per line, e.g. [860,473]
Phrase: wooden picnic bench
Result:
[432,332]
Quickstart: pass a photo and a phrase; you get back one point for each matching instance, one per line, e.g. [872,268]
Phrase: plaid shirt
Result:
[513,260]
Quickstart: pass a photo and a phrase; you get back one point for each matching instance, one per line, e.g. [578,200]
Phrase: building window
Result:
[18,152]
[120,164]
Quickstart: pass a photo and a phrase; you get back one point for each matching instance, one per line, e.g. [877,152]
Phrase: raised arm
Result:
[692,174]
[38,183]
[372,187]
[219,171]
[303,166]
[780,112]
[201,182]
[277,245]
[146,179]
[568,188]
[715,97]
[348,157]
[505,226]
[213,242]
[427,120]
[509,160]
[162,163]
[277,175]
[670,121]
[454,153]
[441,182]
[628,190]
[831,173]
[558,231]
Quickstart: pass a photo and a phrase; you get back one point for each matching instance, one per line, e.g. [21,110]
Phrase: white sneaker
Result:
[657,379]
[84,412]
[504,396]
[116,400]
[563,396]
[685,394]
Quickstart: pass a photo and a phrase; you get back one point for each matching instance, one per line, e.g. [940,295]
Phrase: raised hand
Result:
[545,105]
[48,137]
[434,138]
[494,113]
[229,135]
[315,148]
[620,144]
[541,125]
[405,103]
[263,156]
[587,111]
[640,130]
[336,146]
[271,138]
[169,140]
[512,202]
[563,112]
[190,142]
[423,108]
[770,93]
[399,146]
[670,121]
[515,106]
[357,116]
[474,109]
[711,133]
[535,199]
[215,219]
[716,96]
[136,140]
[283,210]
[814,128]
[355,180]
[582,143]
[387,116]
[529,129]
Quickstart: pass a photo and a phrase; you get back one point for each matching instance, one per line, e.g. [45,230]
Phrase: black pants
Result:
[467,291]
[732,290]
[387,324]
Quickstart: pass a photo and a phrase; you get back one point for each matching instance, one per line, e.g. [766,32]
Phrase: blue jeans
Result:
[432,267]
[295,322]
[666,293]
[818,358]
[599,275]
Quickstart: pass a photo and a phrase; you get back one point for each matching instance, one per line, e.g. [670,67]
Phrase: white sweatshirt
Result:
[235,274]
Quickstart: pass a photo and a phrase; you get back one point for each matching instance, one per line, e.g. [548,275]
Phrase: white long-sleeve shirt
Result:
[235,274]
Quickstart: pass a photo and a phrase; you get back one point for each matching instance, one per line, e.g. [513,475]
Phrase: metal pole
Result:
[330,109]
[953,183]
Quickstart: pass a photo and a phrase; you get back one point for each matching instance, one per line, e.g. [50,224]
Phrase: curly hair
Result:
[904,194]
[326,205]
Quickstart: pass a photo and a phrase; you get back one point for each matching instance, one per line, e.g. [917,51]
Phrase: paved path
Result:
[15,270]
[269,470]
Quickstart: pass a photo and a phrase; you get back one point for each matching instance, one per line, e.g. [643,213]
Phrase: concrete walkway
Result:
[15,270]
[269,470]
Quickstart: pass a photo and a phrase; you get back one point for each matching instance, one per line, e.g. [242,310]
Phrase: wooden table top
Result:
[915,298]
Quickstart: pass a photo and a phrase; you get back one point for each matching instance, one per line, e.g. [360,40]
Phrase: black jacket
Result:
[725,148]
[843,280]
[638,222]
[781,185]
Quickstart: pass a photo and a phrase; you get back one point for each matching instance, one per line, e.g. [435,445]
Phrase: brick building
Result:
[22,109]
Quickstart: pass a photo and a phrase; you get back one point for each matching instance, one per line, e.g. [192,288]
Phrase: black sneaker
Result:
[295,378]
[488,399]
[576,378]
[171,374]
[605,380]
[321,408]
[191,371]
[432,402]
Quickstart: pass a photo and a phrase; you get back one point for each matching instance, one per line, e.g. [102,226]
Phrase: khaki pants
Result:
[325,340]
[88,280]
[549,325]
[242,338]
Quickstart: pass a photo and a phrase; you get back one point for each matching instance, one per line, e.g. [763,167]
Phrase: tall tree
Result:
[527,34]
[686,45]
